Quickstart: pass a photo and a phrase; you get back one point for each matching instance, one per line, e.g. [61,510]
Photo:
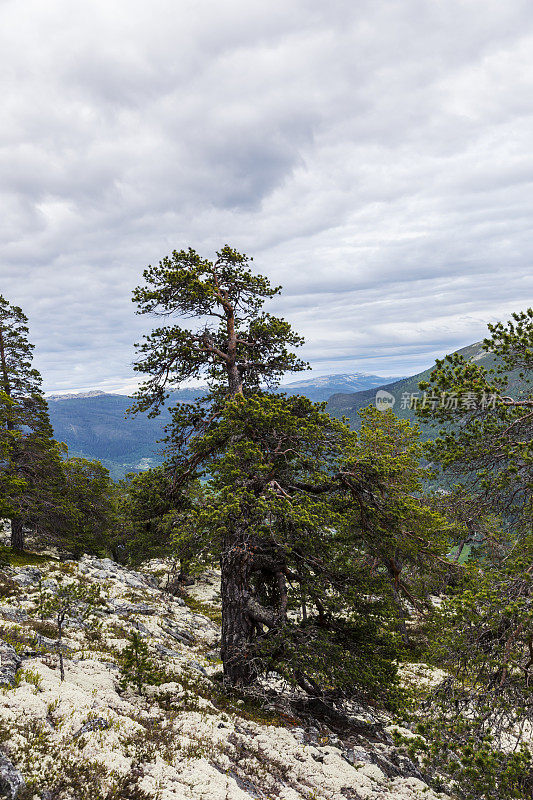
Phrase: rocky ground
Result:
[92,736]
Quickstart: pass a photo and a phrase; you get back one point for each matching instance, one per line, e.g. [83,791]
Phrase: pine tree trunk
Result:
[17,534]
[237,627]
[234,381]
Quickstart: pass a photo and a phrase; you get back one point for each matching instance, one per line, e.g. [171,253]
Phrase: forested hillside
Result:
[96,424]
[98,427]
[406,392]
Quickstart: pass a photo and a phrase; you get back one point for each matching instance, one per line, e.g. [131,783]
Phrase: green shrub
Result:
[47,629]
[137,667]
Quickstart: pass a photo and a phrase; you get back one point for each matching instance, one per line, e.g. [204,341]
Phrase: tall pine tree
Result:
[237,347]
[302,515]
[32,464]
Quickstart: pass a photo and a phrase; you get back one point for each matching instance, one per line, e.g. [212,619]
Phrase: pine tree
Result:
[330,540]
[306,518]
[237,347]
[88,512]
[10,485]
[478,719]
[486,444]
[137,665]
[33,459]
[157,522]
[69,599]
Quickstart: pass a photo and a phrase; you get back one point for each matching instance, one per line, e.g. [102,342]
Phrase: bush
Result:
[137,667]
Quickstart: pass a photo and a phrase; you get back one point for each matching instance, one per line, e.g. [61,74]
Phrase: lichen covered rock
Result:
[182,738]
[10,662]
[11,781]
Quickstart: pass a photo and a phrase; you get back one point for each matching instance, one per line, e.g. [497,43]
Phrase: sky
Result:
[374,157]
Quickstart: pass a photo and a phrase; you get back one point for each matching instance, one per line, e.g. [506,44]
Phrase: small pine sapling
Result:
[137,666]
[67,602]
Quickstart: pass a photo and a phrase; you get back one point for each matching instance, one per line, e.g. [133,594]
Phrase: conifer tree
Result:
[237,347]
[137,666]
[478,719]
[68,599]
[157,522]
[303,514]
[88,514]
[485,444]
[33,459]
[10,486]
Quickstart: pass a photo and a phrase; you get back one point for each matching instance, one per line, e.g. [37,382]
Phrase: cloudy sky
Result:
[375,157]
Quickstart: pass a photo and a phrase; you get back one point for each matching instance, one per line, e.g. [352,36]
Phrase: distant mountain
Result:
[321,388]
[405,391]
[55,397]
[94,425]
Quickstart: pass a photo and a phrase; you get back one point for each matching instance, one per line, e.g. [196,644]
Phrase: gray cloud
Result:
[374,157]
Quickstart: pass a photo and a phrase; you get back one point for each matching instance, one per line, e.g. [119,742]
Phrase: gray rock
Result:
[198,667]
[358,755]
[97,564]
[27,576]
[144,608]
[313,734]
[116,607]
[133,580]
[97,724]
[13,614]
[102,574]
[165,651]
[108,563]
[141,628]
[50,644]
[299,735]
[10,661]
[178,634]
[11,781]
[246,785]
[394,764]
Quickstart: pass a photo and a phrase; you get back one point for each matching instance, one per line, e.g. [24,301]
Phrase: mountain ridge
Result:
[93,424]
[406,392]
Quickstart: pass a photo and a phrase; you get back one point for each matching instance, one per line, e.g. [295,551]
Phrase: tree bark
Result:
[17,534]
[234,380]
[237,627]
[6,385]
